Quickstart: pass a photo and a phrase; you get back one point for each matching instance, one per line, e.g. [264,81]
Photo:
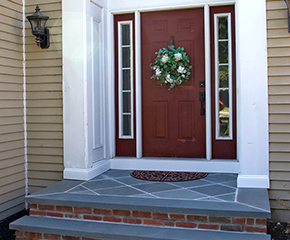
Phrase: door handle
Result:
[202,100]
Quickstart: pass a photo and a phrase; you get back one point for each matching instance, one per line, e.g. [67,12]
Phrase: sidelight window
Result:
[223,76]
[125,68]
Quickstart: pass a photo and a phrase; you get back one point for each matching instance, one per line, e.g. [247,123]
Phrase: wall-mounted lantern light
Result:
[38,29]
[288,7]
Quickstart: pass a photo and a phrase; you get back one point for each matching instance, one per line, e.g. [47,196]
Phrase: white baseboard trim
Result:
[169,164]
[253,181]
[173,164]
[89,173]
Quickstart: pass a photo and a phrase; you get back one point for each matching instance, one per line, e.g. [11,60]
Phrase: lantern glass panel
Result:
[38,26]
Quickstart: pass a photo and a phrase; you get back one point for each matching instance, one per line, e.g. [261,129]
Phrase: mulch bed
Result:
[5,232]
[279,230]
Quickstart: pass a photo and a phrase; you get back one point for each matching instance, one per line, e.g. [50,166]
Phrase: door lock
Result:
[201,84]
[202,100]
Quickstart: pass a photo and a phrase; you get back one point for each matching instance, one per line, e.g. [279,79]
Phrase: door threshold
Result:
[176,164]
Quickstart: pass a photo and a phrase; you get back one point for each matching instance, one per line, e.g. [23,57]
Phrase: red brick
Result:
[124,213]
[82,210]
[141,214]
[208,226]
[111,219]
[235,228]
[219,219]
[19,233]
[46,207]
[73,216]
[250,221]
[33,205]
[168,223]
[63,208]
[51,236]
[23,238]
[185,225]
[197,218]
[177,216]
[238,220]
[84,238]
[261,229]
[36,212]
[132,220]
[256,229]
[249,229]
[92,217]
[33,234]
[160,216]
[102,211]
[152,222]
[70,238]
[261,222]
[54,214]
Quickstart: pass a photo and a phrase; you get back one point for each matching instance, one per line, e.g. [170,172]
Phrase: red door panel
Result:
[171,120]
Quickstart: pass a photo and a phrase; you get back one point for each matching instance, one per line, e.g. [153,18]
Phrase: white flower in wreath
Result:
[183,75]
[164,58]
[178,57]
[168,78]
[181,69]
[158,72]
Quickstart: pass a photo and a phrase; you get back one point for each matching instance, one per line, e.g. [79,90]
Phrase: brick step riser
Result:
[219,223]
[24,235]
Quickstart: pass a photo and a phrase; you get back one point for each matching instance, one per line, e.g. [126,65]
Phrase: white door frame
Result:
[137,163]
[252,105]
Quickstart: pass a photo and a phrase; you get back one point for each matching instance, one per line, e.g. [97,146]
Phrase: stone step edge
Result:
[153,205]
[117,231]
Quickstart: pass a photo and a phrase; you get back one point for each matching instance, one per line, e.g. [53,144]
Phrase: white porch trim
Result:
[207,81]
[87,173]
[167,164]
[138,84]
[253,181]
[252,162]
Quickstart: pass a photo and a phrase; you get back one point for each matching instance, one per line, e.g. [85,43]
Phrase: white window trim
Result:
[120,91]
[230,67]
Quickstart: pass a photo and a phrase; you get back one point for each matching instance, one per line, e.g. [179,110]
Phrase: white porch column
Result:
[79,83]
[252,93]
[74,77]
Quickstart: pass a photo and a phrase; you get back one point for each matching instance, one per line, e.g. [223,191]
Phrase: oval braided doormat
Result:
[165,176]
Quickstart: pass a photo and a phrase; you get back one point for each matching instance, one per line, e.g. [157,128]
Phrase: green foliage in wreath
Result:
[171,66]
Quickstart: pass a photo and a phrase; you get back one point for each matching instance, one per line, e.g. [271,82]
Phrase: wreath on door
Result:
[171,66]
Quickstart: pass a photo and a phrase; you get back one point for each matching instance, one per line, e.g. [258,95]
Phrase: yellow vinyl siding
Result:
[279,106]
[12,171]
[44,100]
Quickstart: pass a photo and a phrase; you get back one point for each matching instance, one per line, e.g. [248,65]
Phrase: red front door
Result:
[173,125]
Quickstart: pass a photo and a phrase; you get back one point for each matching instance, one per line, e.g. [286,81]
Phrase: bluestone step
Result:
[117,231]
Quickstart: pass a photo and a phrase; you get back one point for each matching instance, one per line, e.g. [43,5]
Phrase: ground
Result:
[279,230]
[5,233]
